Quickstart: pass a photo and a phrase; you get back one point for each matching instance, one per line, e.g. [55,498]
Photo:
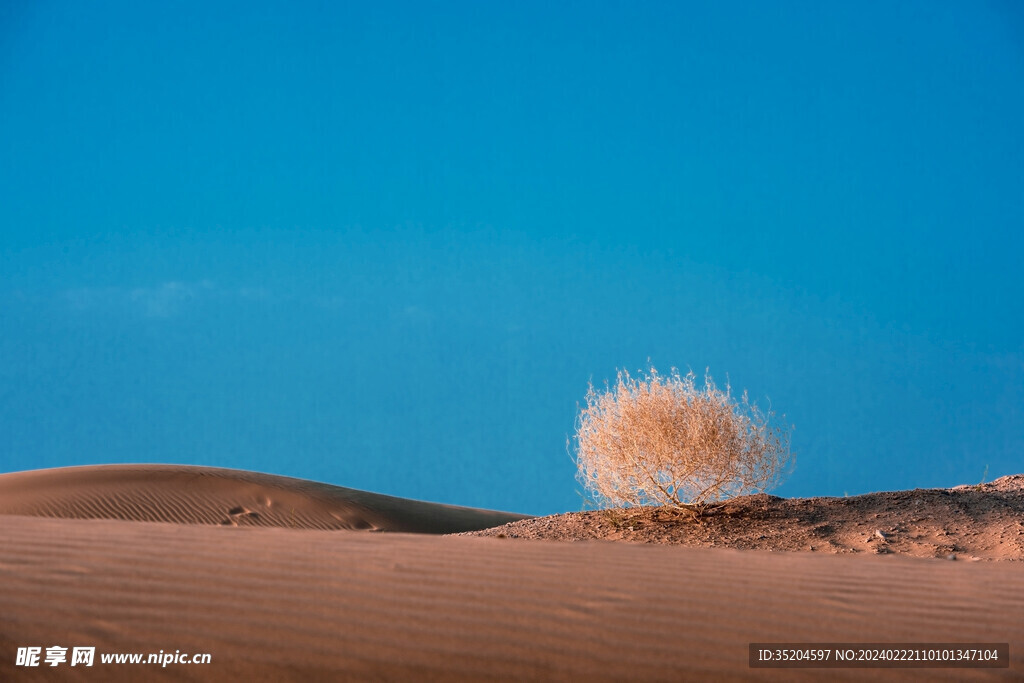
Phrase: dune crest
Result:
[184,494]
[977,522]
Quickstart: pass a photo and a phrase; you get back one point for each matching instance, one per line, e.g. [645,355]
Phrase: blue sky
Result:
[387,245]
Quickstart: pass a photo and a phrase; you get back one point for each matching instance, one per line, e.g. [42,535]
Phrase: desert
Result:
[284,579]
[511,341]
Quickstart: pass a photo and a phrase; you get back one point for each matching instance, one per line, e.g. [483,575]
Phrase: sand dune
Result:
[271,603]
[208,495]
[972,523]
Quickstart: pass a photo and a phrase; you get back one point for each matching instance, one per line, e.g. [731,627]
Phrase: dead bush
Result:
[662,441]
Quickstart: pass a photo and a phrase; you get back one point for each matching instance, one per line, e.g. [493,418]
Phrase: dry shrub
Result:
[662,441]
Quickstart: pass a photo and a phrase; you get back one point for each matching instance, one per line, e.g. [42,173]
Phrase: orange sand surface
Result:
[209,495]
[329,602]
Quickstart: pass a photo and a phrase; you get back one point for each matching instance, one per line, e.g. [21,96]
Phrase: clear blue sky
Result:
[387,245]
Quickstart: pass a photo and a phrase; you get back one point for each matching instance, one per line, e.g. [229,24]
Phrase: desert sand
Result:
[979,522]
[282,579]
[181,494]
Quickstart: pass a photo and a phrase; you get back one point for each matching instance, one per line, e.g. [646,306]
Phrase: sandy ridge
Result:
[978,522]
[207,495]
